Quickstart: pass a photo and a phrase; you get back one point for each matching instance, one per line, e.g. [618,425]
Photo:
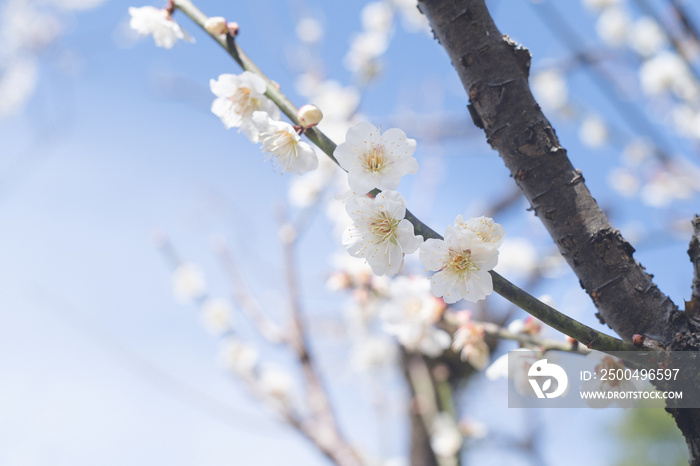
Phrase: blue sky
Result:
[100,364]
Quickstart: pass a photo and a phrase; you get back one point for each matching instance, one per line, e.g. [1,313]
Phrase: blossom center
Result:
[282,144]
[384,227]
[461,262]
[375,159]
[243,103]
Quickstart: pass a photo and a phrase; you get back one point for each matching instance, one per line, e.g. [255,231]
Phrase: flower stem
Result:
[590,337]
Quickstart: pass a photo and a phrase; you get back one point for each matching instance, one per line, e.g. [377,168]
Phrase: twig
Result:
[245,299]
[688,24]
[494,330]
[548,315]
[340,450]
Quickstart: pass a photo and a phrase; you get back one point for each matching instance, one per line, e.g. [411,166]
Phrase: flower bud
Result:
[309,115]
[216,25]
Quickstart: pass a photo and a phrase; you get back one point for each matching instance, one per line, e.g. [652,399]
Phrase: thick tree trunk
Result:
[494,73]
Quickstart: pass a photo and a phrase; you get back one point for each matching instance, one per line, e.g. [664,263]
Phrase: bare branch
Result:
[245,299]
[323,415]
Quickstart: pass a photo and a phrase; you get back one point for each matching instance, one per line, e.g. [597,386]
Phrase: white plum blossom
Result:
[188,283]
[237,98]
[462,261]
[283,143]
[216,315]
[238,356]
[446,438]
[152,21]
[485,228]
[379,232]
[376,160]
[410,315]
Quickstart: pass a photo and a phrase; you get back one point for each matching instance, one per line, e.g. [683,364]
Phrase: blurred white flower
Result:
[609,384]
[377,16]
[462,260]
[531,325]
[275,383]
[151,21]
[375,160]
[410,315]
[446,438]
[237,356]
[598,5]
[411,17]
[646,36]
[517,256]
[473,429]
[281,141]
[17,83]
[636,152]
[216,315]
[518,373]
[238,96]
[624,181]
[372,353]
[304,190]
[550,89]
[669,185]
[188,283]
[613,25]
[667,71]
[309,30]
[593,132]
[379,232]
[469,341]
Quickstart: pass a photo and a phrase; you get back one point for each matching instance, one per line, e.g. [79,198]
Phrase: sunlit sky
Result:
[100,364]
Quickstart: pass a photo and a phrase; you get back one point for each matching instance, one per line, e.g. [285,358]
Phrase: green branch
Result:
[591,338]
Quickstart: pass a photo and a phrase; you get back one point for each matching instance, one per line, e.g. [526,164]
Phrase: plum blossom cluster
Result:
[241,103]
[381,234]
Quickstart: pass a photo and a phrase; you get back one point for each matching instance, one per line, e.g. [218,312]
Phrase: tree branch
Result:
[494,73]
[530,304]
[320,405]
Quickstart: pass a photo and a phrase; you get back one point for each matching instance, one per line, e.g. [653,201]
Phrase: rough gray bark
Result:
[494,73]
